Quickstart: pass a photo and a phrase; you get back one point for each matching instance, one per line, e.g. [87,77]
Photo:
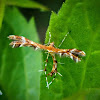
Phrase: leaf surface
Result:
[81,19]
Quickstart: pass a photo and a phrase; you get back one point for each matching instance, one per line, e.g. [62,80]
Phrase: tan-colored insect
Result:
[74,54]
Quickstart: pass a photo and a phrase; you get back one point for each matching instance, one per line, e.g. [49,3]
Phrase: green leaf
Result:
[2,9]
[81,19]
[19,76]
[27,4]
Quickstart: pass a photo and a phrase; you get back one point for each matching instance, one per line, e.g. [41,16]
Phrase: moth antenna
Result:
[63,40]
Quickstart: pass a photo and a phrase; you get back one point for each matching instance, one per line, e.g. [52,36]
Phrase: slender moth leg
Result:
[46,70]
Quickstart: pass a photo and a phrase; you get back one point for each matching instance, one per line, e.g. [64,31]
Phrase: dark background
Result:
[42,17]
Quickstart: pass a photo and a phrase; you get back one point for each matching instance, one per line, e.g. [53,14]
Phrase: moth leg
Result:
[54,69]
[52,79]
[59,74]
[49,38]
[46,70]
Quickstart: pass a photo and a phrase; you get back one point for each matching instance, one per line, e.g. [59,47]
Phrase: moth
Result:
[74,54]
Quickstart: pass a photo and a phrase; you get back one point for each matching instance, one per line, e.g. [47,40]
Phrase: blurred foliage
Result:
[19,76]
[19,3]
[2,8]
[26,4]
